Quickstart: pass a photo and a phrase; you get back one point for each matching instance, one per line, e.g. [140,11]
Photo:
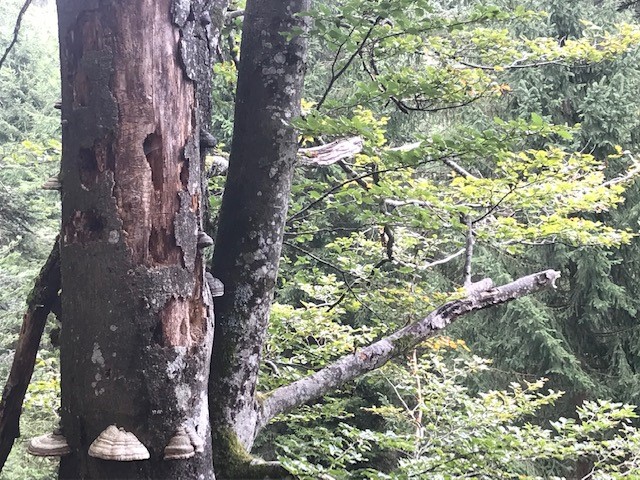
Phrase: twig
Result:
[513,66]
[457,168]
[355,179]
[322,261]
[16,31]
[468,251]
[494,207]
[336,76]
[432,264]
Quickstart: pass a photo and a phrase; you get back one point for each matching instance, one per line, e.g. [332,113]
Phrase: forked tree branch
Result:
[374,356]
[39,303]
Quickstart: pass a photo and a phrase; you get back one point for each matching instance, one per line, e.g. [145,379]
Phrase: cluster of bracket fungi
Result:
[118,445]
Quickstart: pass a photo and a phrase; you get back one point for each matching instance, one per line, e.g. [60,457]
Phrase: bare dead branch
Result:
[627,177]
[16,31]
[349,367]
[468,251]
[457,168]
[514,66]
[330,153]
[426,266]
[40,301]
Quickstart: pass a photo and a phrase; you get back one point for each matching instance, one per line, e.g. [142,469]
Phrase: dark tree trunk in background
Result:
[253,212]
[137,317]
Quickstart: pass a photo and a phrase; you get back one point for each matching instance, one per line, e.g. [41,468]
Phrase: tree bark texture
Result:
[41,300]
[137,315]
[254,210]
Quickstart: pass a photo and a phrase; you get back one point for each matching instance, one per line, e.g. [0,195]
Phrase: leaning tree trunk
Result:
[253,215]
[137,316]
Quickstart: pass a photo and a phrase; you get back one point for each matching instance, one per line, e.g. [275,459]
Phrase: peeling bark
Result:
[40,302]
[378,353]
[137,325]
[253,211]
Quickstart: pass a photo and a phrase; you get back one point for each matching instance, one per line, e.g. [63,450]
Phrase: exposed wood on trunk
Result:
[137,326]
[253,212]
[39,303]
[377,354]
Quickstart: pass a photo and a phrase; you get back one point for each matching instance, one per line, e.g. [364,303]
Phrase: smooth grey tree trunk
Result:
[137,316]
[253,214]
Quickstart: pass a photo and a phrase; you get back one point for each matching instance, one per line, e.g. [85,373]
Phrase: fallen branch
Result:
[347,368]
[39,303]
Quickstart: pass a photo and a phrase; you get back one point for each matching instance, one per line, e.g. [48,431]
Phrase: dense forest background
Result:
[377,239]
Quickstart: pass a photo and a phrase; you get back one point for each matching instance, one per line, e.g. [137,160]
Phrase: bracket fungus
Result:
[204,240]
[207,140]
[179,447]
[215,285]
[52,183]
[196,440]
[49,445]
[118,445]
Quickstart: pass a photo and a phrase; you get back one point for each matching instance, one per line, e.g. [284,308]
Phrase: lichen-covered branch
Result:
[377,354]
[40,301]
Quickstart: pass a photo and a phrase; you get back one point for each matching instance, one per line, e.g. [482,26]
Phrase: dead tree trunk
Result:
[253,212]
[137,316]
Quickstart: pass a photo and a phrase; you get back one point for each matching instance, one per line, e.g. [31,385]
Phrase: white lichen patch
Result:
[114,236]
[260,273]
[244,293]
[201,411]
[96,356]
[175,367]
[183,396]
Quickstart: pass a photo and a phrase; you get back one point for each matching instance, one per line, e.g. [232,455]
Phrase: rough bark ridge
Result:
[253,211]
[137,317]
[42,298]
